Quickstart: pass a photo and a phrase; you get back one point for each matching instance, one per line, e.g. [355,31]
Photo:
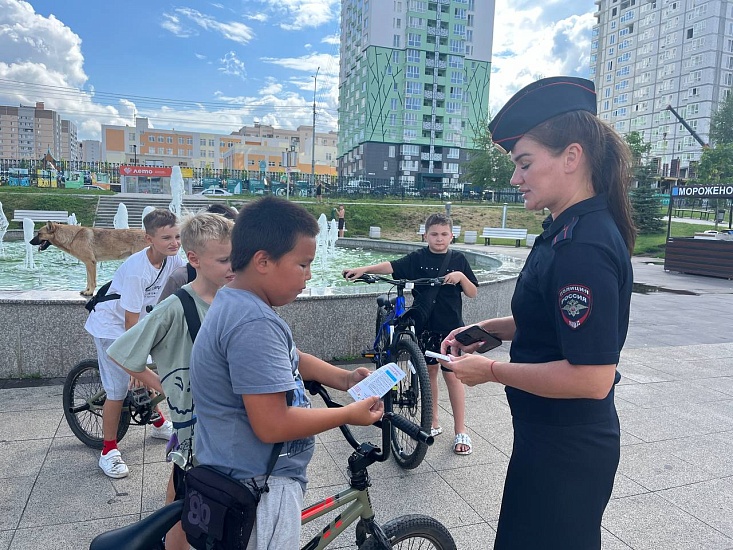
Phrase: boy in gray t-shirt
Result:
[244,362]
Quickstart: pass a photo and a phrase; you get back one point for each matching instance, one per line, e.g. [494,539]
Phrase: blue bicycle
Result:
[395,341]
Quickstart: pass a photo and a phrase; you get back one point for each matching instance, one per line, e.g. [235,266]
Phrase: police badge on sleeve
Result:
[575,304]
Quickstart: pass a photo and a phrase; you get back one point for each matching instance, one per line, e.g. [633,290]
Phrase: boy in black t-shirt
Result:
[442,316]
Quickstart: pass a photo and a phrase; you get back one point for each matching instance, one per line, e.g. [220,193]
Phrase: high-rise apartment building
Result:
[69,141]
[648,56]
[29,132]
[413,88]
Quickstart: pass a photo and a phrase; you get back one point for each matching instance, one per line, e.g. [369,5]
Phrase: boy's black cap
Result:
[537,103]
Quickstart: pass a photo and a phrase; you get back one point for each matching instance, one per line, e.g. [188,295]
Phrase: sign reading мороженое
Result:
[706,191]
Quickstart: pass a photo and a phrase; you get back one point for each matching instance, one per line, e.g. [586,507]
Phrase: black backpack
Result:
[101,296]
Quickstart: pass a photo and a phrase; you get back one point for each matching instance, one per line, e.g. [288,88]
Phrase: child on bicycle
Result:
[442,311]
[137,284]
[164,334]
[244,363]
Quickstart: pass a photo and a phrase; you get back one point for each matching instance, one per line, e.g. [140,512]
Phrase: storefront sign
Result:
[704,191]
[146,171]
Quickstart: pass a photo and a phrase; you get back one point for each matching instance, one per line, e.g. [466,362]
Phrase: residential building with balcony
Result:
[29,132]
[413,88]
[647,56]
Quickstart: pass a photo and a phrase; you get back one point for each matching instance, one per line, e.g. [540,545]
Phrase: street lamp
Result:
[313,145]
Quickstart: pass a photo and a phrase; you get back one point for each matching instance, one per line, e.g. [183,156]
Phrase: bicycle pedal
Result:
[140,396]
[368,353]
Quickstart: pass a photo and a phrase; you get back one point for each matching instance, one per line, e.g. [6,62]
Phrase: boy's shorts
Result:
[115,380]
[430,341]
[278,516]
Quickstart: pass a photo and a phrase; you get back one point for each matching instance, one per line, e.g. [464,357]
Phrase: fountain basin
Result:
[42,332]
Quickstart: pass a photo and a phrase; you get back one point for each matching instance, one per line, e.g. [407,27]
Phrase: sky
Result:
[216,66]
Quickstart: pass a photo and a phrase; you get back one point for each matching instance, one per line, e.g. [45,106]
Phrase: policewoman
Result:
[570,314]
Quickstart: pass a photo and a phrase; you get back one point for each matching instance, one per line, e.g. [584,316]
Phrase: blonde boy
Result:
[164,334]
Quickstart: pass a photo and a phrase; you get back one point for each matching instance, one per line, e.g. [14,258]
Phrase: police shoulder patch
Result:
[575,302]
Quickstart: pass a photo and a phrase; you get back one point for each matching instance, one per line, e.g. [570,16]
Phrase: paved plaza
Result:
[674,488]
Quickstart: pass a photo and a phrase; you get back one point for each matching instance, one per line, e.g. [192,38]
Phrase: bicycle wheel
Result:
[413,531]
[83,398]
[412,399]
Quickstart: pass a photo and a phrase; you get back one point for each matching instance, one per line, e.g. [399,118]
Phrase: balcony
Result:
[434,156]
[434,31]
[432,63]
[432,126]
[429,94]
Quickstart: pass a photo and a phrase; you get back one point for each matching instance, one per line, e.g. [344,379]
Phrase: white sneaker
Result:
[113,465]
[164,432]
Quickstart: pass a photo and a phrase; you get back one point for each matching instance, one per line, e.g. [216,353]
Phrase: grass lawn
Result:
[653,244]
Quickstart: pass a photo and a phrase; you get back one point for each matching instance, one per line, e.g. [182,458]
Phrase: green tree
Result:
[644,200]
[488,167]
[721,123]
[716,163]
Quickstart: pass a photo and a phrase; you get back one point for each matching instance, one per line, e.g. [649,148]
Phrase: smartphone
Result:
[437,356]
[476,334]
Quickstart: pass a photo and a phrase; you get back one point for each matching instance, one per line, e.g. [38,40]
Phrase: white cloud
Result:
[300,14]
[200,56]
[259,17]
[231,30]
[333,39]
[232,65]
[173,24]
[272,87]
[534,41]
[43,61]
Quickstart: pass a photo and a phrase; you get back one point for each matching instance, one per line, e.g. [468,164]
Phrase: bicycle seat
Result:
[144,534]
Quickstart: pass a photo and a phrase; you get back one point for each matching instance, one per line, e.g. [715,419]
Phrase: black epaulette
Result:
[565,235]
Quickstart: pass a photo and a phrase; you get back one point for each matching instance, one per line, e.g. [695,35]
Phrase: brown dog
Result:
[90,245]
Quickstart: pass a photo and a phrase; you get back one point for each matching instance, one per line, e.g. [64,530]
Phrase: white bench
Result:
[503,233]
[456,230]
[421,231]
[60,216]
[469,237]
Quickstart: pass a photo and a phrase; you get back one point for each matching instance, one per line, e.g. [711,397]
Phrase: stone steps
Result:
[136,203]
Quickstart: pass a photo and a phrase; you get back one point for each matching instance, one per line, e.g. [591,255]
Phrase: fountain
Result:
[176,191]
[3,229]
[120,219]
[28,232]
[147,210]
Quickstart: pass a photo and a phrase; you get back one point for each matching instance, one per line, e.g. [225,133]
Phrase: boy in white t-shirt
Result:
[138,282]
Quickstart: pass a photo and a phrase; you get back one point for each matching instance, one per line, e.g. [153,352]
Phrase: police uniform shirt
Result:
[447,313]
[572,301]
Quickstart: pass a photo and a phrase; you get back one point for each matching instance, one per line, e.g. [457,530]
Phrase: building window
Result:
[414,40]
[412,71]
[211,143]
[396,41]
[391,153]
[413,56]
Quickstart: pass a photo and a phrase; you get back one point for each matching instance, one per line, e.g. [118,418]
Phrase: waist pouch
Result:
[219,512]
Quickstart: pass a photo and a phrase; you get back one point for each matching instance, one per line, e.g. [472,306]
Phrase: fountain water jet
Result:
[147,210]
[28,231]
[176,191]
[3,229]
[120,219]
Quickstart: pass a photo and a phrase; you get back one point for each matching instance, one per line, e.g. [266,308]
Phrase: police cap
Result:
[538,102]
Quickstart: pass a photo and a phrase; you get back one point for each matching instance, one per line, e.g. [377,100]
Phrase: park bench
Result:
[421,231]
[60,216]
[456,230]
[503,233]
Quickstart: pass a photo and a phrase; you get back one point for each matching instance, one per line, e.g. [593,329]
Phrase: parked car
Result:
[216,192]
[92,187]
[358,186]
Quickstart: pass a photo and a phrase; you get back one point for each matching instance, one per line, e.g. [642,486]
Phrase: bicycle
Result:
[412,531]
[395,341]
[83,400]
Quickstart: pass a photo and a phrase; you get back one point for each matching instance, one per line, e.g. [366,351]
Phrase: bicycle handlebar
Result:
[427,281]
[389,418]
